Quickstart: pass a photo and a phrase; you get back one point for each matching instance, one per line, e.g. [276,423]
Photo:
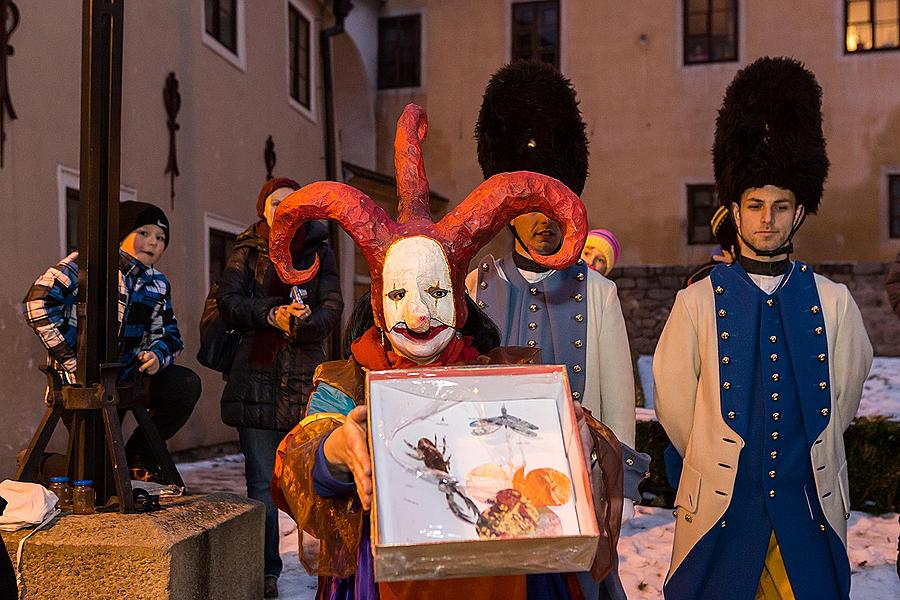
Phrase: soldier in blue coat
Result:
[760,368]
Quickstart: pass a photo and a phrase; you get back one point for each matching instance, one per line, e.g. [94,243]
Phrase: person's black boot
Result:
[270,587]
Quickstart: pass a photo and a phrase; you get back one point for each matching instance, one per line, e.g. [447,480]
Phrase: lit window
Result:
[710,31]
[871,25]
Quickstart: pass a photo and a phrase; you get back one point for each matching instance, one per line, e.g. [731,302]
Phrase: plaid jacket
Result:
[146,318]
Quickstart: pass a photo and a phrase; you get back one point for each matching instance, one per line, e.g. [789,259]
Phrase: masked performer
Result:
[422,316]
[760,367]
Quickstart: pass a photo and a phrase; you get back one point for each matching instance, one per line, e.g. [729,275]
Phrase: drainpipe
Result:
[340,8]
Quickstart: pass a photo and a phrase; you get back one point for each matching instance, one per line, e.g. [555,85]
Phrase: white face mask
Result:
[419,313]
[272,202]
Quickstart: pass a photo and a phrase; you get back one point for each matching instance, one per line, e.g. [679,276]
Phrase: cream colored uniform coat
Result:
[686,379]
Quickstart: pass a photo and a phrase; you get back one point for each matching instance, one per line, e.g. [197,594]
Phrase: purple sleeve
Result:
[325,483]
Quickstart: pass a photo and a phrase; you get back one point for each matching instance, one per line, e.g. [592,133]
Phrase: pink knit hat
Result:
[607,244]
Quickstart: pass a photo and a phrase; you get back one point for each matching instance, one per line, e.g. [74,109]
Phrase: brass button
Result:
[580,277]
[731,414]
[725,360]
[776,416]
[533,308]
[484,266]
[775,376]
[533,291]
[722,524]
[579,297]
[774,435]
[775,397]
[481,304]
[483,285]
[576,395]
[719,289]
[532,326]
[578,343]
[773,454]
[675,513]
[722,312]
[770,302]
[821,527]
[579,317]
[629,462]
[771,493]
[819,330]
[824,412]
[532,343]
[577,368]
[726,385]
[821,357]
[814,310]
[725,335]
[688,518]
[803,268]
[773,357]
[771,474]
[846,516]
[822,385]
[580,262]
[773,339]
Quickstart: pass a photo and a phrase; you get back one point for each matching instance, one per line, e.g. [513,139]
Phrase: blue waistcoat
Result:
[550,314]
[773,372]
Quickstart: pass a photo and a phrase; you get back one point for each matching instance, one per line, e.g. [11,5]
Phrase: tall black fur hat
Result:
[529,121]
[769,132]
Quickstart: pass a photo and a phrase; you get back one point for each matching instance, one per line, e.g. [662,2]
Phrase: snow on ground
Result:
[644,546]
[880,397]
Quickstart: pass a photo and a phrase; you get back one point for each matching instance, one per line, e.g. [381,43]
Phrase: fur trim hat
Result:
[269,187]
[529,121]
[769,132]
[134,214]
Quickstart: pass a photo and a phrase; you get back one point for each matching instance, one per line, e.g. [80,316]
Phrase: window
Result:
[299,59]
[710,31]
[221,22]
[871,25]
[535,32]
[702,204]
[399,51]
[894,204]
[72,204]
[221,243]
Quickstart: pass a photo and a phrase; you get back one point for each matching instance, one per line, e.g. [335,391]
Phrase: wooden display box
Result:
[478,471]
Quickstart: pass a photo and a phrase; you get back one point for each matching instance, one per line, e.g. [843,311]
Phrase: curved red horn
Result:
[412,185]
[356,213]
[504,197]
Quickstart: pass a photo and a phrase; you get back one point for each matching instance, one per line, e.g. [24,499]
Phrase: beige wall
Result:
[651,120]
[225,116]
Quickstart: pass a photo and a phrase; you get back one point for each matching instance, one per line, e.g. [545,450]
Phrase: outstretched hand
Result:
[348,447]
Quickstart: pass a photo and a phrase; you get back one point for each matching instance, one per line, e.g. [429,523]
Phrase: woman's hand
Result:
[280,316]
[348,447]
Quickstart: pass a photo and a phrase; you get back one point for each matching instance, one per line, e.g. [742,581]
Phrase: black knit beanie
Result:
[137,214]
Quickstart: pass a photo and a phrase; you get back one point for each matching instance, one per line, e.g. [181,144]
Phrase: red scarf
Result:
[369,352]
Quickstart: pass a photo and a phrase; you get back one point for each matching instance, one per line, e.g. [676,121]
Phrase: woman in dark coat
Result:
[282,343]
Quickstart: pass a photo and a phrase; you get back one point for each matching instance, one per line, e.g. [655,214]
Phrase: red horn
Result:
[356,213]
[412,185]
[504,197]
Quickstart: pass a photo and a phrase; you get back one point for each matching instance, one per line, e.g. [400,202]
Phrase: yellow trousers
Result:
[774,583]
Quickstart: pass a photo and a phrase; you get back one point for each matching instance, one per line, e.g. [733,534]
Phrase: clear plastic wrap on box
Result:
[478,471]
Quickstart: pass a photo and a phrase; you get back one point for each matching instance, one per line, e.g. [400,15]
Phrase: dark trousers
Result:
[259,446]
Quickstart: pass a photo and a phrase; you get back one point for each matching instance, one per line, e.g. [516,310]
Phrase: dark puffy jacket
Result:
[275,397]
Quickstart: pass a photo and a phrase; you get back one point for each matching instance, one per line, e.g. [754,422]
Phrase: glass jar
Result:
[83,497]
[60,486]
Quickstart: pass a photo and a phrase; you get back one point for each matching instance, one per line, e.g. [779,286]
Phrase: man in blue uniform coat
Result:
[760,368]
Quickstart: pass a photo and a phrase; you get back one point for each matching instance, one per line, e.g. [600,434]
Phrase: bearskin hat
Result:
[529,121]
[769,132]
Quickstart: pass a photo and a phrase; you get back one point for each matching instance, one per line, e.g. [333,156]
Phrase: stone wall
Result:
[647,294]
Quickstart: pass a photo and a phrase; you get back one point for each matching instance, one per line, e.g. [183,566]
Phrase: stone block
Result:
[197,547]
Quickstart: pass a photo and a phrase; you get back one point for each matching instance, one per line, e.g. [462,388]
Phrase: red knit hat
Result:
[269,187]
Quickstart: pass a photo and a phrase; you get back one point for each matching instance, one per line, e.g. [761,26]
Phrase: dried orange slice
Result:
[546,487]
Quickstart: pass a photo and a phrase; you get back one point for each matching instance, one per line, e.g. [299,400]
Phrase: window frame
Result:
[846,25]
[219,223]
[238,57]
[306,13]
[420,14]
[693,186]
[69,178]
[684,35]
[510,8]
[892,214]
